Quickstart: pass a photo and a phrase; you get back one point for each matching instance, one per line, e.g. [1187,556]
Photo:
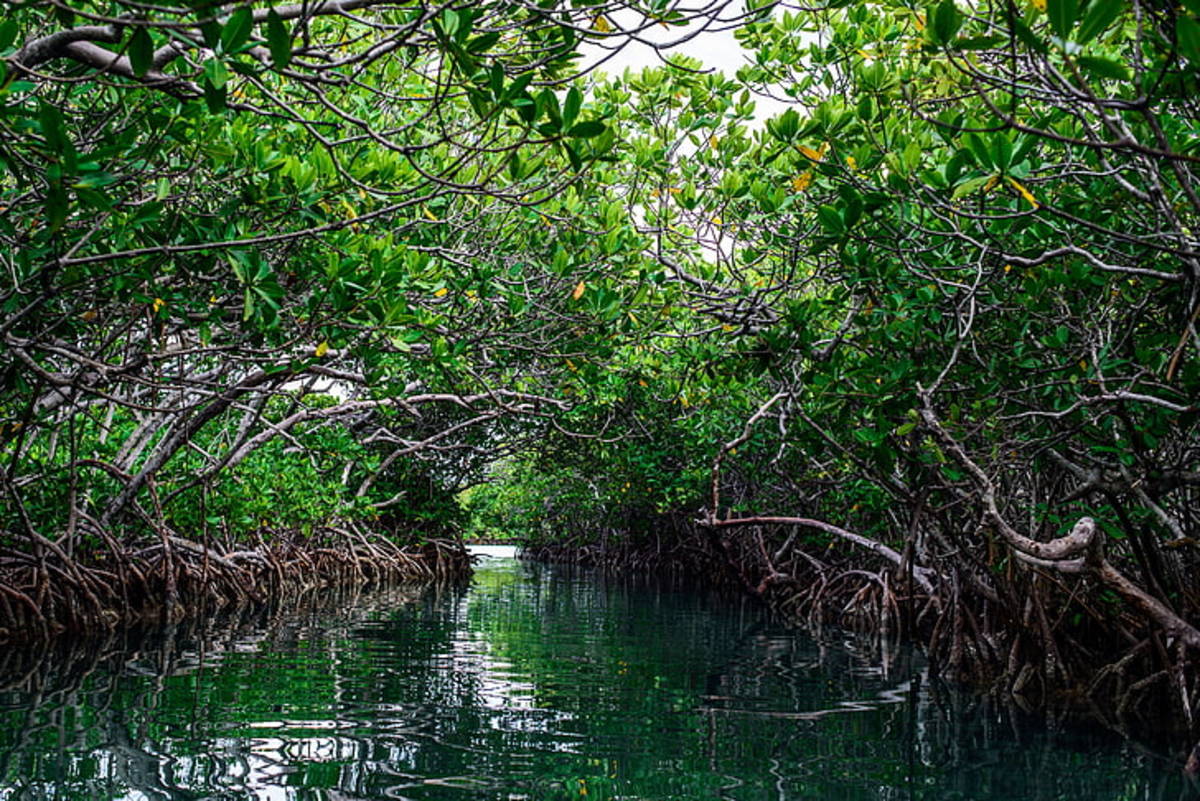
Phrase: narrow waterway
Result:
[533,683]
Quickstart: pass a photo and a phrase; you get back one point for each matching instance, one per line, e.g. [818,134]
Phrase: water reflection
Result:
[532,684]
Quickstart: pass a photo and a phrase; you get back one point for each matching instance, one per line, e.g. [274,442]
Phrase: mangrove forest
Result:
[876,316]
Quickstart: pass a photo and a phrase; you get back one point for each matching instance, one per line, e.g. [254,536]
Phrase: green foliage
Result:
[577,291]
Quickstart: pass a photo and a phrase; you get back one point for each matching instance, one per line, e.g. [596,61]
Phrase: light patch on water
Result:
[493,551]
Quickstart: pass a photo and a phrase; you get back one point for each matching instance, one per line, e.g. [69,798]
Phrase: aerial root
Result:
[175,577]
[1041,639]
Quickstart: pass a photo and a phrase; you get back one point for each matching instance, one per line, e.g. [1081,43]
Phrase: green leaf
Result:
[93,198]
[982,153]
[215,73]
[980,42]
[211,32]
[1103,68]
[548,103]
[8,33]
[573,157]
[571,106]
[1100,15]
[53,128]
[946,22]
[954,167]
[214,96]
[450,21]
[1187,33]
[483,43]
[831,220]
[237,29]
[1028,37]
[969,186]
[56,206]
[852,212]
[279,40]
[587,129]
[1025,145]
[1001,151]
[141,51]
[785,126]
[1062,15]
[496,81]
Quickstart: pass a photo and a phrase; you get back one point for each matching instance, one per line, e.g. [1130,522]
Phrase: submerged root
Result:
[1043,640]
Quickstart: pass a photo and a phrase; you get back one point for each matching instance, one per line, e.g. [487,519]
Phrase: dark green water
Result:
[532,684]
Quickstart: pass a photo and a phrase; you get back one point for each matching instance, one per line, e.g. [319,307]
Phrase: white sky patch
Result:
[712,42]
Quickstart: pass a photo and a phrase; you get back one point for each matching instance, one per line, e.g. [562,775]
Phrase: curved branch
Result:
[921,574]
[1080,551]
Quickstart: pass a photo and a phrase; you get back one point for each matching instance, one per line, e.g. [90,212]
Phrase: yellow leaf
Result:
[601,23]
[727,328]
[571,366]
[920,21]
[578,293]
[89,315]
[158,304]
[212,300]
[852,162]
[1025,193]
[429,216]
[1040,5]
[801,181]
[322,349]
[1083,364]
[440,292]
[713,141]
[995,179]
[642,382]
[813,155]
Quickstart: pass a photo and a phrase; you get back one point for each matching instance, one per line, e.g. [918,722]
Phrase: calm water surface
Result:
[534,683]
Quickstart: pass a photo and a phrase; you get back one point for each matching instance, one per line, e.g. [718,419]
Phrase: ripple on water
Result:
[535,683]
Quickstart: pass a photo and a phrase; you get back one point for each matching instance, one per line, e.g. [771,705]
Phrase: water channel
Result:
[533,683]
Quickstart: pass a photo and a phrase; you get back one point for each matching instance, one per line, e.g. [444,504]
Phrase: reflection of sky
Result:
[262,766]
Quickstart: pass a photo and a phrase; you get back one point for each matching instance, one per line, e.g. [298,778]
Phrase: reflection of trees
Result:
[537,685]
[167,713]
